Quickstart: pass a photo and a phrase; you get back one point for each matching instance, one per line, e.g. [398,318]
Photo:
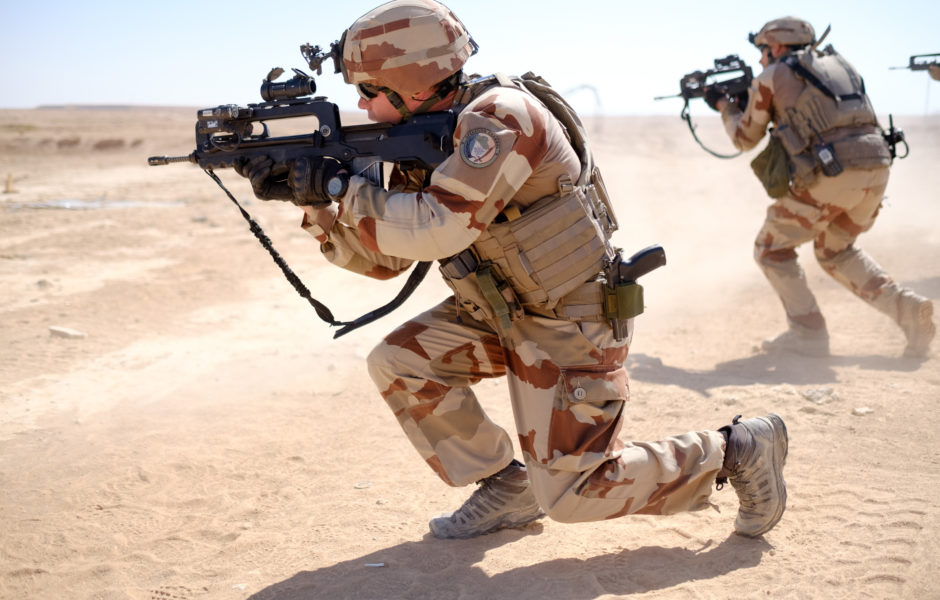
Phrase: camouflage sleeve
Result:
[340,244]
[497,140]
[747,128]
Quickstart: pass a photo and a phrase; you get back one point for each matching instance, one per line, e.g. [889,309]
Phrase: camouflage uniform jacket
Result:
[774,89]
[510,150]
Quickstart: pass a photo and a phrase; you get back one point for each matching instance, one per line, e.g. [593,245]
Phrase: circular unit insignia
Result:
[479,148]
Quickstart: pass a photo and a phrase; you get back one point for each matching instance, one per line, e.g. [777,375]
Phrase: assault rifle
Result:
[695,84]
[919,62]
[229,134]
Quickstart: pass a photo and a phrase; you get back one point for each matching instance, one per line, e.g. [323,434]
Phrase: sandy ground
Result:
[207,438]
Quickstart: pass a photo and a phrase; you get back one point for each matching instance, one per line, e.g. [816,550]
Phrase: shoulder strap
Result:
[793,61]
[567,116]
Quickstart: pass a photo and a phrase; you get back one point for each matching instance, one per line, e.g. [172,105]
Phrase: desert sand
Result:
[177,423]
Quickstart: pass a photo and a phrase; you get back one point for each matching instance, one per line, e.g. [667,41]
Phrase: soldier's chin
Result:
[392,120]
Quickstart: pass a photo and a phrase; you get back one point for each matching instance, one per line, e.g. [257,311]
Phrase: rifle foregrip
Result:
[646,260]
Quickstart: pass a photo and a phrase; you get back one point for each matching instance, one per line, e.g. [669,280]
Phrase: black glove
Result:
[740,100]
[268,179]
[712,96]
[317,181]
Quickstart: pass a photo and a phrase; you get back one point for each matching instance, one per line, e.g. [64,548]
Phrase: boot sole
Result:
[780,448]
[503,523]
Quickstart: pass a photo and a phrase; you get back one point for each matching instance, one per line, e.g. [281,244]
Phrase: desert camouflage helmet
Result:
[788,31]
[405,45]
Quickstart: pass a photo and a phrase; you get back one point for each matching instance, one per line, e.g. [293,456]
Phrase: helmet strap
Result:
[399,104]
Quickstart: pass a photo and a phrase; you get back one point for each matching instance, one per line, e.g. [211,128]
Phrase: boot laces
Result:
[482,501]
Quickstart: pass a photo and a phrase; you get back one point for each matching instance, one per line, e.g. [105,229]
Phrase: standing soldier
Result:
[518,218]
[826,165]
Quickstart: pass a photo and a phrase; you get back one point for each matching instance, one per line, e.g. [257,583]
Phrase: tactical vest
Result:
[833,108]
[532,259]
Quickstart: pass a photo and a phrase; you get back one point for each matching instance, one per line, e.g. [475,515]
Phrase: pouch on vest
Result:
[553,248]
[772,168]
[481,290]
[864,151]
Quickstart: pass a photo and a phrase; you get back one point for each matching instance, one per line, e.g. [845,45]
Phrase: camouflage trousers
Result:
[832,213]
[568,389]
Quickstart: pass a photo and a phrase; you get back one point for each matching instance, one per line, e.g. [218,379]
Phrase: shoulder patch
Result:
[479,148]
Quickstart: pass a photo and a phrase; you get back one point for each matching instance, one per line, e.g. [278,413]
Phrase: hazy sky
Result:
[204,53]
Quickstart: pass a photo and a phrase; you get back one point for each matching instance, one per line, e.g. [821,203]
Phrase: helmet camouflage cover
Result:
[405,45]
[787,31]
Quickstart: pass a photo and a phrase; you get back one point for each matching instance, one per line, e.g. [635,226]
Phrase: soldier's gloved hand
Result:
[268,179]
[318,181]
[740,100]
[712,96]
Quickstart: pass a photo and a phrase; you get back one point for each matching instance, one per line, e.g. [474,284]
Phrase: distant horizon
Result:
[705,112]
[607,57]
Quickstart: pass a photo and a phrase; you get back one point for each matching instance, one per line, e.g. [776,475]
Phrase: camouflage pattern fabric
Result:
[568,389]
[786,31]
[527,153]
[340,244]
[566,379]
[405,45]
[832,212]
[772,91]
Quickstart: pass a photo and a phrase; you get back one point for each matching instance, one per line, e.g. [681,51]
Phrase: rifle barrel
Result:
[155,161]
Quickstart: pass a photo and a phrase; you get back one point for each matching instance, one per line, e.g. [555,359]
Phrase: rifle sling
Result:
[414,279]
[687,117]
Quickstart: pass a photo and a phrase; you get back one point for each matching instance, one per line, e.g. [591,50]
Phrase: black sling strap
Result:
[414,279]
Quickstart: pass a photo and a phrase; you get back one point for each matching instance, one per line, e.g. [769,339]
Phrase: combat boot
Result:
[799,340]
[915,316]
[754,457]
[503,500]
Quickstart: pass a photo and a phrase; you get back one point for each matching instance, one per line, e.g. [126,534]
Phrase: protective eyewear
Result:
[368,91]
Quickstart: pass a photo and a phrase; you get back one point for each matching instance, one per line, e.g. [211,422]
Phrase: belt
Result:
[585,303]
